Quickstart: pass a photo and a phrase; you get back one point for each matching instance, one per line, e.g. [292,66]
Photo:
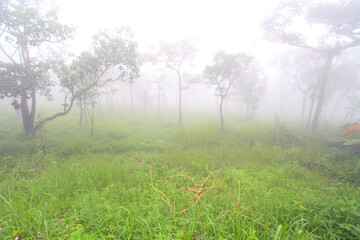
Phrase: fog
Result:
[169,119]
[207,26]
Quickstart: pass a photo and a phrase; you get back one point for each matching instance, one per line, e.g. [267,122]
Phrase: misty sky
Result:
[212,25]
[231,25]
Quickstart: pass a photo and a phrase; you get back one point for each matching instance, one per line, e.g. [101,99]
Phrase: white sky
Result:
[232,25]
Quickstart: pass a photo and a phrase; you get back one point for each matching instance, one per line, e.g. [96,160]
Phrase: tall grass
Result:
[244,184]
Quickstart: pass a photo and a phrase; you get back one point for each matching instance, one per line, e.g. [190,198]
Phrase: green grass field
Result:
[145,179]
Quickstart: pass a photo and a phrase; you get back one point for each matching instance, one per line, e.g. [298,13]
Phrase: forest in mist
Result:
[302,67]
[179,119]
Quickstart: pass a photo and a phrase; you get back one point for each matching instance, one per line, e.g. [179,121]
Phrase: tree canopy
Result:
[317,25]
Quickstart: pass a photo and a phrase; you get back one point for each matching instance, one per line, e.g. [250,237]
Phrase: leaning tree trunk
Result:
[322,89]
[310,113]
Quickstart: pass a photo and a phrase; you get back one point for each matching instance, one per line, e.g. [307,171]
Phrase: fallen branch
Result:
[199,190]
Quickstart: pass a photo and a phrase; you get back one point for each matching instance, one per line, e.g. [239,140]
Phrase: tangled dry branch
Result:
[194,192]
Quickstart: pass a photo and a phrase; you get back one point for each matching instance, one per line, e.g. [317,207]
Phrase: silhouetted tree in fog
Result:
[175,55]
[302,69]
[159,92]
[326,27]
[250,87]
[223,72]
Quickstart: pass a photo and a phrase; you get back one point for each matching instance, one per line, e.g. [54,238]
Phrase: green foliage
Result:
[343,163]
[345,215]
[100,187]
[226,69]
[111,58]
[28,26]
[352,142]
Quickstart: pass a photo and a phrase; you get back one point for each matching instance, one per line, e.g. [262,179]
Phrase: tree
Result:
[224,71]
[111,58]
[146,94]
[159,81]
[326,27]
[174,56]
[250,87]
[26,27]
[344,81]
[155,81]
[302,69]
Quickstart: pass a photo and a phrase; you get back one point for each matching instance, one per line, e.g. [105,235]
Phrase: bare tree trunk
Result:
[180,88]
[322,89]
[221,115]
[28,116]
[310,113]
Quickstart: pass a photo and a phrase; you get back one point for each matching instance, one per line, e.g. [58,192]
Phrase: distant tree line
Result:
[32,52]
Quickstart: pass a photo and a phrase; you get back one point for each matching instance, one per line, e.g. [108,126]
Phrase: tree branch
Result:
[7,55]
[335,50]
[74,97]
